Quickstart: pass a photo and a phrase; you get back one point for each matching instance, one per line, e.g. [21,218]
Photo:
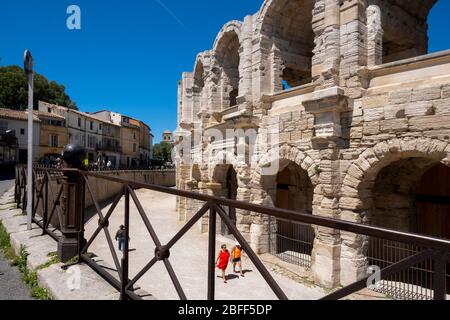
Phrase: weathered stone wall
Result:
[352,123]
[105,190]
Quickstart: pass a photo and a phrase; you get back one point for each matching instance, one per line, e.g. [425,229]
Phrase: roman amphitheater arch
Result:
[383,187]
[404,28]
[289,184]
[227,57]
[287,41]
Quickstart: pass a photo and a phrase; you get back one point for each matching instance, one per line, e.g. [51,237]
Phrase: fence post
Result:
[439,278]
[125,262]
[212,252]
[45,213]
[72,200]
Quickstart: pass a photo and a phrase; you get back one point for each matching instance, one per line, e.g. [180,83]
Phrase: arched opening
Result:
[196,174]
[288,27]
[291,189]
[197,90]
[411,195]
[405,26]
[226,176]
[227,55]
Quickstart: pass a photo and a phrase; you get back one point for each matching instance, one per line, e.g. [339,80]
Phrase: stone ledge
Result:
[52,278]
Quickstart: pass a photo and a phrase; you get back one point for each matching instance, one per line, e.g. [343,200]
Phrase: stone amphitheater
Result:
[358,116]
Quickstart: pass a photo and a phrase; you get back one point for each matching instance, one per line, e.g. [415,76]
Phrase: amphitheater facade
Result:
[338,111]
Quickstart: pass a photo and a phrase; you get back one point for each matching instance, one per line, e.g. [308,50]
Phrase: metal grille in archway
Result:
[291,241]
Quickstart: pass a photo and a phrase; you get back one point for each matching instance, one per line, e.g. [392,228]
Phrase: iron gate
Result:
[291,241]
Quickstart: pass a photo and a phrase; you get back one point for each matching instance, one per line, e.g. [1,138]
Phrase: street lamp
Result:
[28,67]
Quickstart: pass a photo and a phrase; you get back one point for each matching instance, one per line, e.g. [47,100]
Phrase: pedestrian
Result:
[109,164]
[120,237]
[222,261]
[236,256]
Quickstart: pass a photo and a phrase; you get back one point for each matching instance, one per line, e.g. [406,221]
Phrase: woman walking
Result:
[222,261]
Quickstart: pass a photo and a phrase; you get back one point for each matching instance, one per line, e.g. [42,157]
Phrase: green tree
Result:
[163,151]
[14,90]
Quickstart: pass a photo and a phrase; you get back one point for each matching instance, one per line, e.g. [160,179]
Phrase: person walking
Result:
[120,237]
[222,261]
[236,256]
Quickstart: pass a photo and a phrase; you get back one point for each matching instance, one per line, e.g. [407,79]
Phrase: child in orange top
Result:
[236,254]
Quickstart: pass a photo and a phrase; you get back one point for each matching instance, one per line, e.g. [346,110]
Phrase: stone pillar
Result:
[326,251]
[353,47]
[329,71]
[374,36]
[72,224]
[245,66]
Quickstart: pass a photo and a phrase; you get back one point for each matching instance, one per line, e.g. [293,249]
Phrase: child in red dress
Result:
[222,261]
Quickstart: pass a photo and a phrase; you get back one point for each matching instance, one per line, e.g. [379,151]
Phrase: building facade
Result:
[53,135]
[145,143]
[17,122]
[347,116]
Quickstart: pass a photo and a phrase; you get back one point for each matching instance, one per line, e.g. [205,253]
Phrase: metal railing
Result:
[291,242]
[46,199]
[432,249]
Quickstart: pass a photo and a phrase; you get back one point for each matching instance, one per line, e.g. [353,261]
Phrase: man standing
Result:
[120,237]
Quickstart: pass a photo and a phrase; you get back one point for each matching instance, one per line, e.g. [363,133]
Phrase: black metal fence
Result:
[291,241]
[75,182]
[415,282]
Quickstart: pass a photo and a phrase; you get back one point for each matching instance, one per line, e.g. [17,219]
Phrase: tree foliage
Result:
[163,151]
[14,90]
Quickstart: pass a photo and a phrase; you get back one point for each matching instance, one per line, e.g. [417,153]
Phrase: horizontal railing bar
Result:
[289,215]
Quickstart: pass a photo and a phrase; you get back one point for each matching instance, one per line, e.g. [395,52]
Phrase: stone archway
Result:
[289,39]
[267,183]
[229,177]
[379,189]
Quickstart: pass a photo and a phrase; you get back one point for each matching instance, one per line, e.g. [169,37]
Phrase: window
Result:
[49,110]
[22,131]
[79,122]
[54,141]
[100,126]
[134,147]
[92,125]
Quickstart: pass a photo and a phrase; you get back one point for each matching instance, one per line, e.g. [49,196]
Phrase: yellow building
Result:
[53,135]
[130,134]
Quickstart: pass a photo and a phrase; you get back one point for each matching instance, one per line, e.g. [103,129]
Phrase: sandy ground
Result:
[188,257]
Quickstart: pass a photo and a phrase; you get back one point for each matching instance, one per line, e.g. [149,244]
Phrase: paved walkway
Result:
[188,257]
[11,284]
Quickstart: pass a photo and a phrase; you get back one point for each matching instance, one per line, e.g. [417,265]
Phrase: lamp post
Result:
[28,67]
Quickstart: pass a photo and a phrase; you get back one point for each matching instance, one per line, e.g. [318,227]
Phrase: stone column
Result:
[353,47]
[326,251]
[374,36]
[331,46]
[245,66]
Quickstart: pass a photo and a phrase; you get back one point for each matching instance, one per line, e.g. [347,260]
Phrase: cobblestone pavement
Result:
[188,257]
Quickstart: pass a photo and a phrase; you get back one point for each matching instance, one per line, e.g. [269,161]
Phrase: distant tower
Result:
[168,136]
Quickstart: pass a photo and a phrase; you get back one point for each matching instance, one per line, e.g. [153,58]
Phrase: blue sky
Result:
[130,54]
